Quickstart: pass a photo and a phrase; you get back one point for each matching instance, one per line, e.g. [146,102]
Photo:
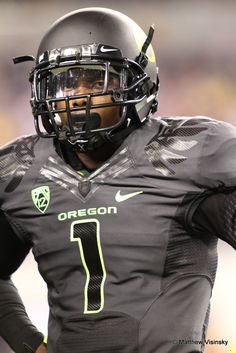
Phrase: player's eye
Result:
[98,85]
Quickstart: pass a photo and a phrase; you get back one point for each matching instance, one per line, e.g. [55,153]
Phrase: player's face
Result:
[84,81]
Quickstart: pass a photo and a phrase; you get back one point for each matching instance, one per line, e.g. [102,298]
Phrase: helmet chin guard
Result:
[110,56]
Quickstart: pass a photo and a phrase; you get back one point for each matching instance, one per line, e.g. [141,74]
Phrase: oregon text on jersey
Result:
[87,212]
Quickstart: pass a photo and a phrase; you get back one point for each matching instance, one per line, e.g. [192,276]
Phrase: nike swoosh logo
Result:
[104,50]
[121,198]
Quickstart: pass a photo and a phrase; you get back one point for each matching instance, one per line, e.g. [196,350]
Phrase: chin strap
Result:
[97,140]
[122,134]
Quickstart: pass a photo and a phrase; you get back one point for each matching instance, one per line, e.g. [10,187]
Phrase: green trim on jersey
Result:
[90,272]
[84,172]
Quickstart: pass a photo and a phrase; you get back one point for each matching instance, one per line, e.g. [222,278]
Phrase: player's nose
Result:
[80,102]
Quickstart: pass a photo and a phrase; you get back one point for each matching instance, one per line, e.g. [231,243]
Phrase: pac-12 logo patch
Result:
[41,198]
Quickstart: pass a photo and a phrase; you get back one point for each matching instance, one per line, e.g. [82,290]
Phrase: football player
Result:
[122,210]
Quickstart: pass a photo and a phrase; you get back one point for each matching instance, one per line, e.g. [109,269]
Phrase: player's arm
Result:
[15,325]
[215,211]
[216,215]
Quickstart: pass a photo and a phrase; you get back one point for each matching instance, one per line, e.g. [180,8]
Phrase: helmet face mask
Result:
[75,88]
[72,85]
[88,89]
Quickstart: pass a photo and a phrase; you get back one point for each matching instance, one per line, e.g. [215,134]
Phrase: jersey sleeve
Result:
[217,163]
[12,250]
[216,215]
[15,326]
[213,211]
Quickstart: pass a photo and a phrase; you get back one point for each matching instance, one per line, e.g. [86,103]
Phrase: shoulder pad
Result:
[15,159]
[218,162]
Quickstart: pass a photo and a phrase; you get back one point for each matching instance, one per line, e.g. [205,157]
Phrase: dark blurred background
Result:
[196,53]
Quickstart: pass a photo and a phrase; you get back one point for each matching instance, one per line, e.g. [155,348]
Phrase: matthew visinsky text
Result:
[203,342]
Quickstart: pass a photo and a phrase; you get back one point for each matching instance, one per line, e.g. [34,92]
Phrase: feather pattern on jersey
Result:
[163,150]
[16,160]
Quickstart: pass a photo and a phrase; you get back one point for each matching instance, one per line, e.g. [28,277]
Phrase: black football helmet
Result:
[113,56]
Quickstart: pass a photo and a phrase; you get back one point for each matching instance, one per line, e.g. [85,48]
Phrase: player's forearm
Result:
[15,326]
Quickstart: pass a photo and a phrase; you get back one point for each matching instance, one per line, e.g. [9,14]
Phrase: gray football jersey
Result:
[125,270]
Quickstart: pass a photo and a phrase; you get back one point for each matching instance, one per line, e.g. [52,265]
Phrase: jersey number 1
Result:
[87,234]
